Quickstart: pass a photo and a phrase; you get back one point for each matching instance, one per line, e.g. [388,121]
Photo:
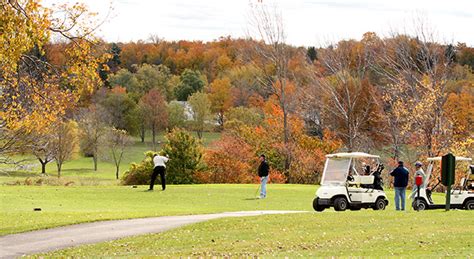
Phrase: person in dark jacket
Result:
[400,175]
[263,169]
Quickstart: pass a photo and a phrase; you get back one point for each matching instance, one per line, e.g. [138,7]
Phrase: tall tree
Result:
[93,126]
[176,116]
[120,110]
[155,77]
[220,97]
[36,92]
[154,108]
[348,100]
[201,111]
[273,57]
[191,82]
[311,53]
[65,142]
[417,70]
[117,141]
[42,149]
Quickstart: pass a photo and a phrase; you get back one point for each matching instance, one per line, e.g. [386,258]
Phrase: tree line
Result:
[408,96]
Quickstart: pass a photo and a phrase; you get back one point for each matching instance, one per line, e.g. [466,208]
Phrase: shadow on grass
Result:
[19,173]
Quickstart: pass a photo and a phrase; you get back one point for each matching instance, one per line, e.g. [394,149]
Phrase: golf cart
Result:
[349,183]
[462,196]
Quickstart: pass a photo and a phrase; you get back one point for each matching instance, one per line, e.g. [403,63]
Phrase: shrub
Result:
[139,173]
[185,154]
[230,160]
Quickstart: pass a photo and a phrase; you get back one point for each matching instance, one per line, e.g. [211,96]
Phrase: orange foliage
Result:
[118,90]
[229,160]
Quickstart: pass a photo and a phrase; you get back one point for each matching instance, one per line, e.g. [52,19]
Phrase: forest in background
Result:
[403,96]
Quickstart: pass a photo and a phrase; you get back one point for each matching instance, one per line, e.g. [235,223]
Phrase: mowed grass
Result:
[80,171]
[61,205]
[364,233]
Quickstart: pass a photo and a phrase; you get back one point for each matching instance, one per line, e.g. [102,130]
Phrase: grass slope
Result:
[350,233]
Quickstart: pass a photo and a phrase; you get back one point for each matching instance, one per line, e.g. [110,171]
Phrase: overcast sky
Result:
[307,22]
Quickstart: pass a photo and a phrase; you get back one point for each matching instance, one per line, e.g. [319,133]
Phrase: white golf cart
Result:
[349,183]
[462,195]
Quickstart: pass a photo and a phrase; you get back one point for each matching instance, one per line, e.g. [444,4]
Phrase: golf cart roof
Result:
[458,158]
[351,155]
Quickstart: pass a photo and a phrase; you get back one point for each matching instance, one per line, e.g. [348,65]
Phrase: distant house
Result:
[188,110]
[189,113]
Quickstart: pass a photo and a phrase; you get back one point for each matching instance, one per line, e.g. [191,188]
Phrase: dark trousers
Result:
[158,170]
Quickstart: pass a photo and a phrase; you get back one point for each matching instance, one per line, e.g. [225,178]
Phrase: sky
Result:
[307,22]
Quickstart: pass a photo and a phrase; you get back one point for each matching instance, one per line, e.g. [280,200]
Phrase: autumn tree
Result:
[230,160]
[417,71]
[272,57]
[93,127]
[220,98]
[176,116]
[120,109]
[65,142]
[42,149]
[155,111]
[244,115]
[349,102]
[190,82]
[127,79]
[117,141]
[155,77]
[201,111]
[246,82]
[35,92]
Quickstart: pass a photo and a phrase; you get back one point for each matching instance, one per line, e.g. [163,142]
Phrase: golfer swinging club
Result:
[263,169]
[160,168]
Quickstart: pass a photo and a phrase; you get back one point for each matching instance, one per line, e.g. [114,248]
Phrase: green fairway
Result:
[75,204]
[62,205]
[351,233]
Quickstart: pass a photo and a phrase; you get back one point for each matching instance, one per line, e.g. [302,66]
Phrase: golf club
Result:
[257,191]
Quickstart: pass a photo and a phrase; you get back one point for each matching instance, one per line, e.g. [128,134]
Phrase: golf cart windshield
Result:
[433,160]
[336,170]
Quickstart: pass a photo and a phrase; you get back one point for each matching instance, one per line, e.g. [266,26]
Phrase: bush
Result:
[230,160]
[184,153]
[139,173]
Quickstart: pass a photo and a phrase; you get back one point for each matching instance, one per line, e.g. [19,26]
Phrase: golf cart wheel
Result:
[340,204]
[316,205]
[379,204]
[419,204]
[469,205]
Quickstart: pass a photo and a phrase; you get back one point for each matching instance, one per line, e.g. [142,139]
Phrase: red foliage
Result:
[230,160]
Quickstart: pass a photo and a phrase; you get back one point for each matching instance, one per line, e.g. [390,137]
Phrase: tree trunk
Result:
[59,165]
[94,158]
[117,172]
[43,166]
[154,136]
[142,132]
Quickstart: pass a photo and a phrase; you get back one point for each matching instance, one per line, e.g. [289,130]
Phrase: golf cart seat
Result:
[363,180]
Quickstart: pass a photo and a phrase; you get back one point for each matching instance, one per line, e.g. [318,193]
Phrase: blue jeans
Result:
[400,194]
[263,188]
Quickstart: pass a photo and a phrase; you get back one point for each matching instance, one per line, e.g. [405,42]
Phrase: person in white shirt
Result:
[160,168]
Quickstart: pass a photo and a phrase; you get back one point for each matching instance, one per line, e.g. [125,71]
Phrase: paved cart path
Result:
[62,237]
